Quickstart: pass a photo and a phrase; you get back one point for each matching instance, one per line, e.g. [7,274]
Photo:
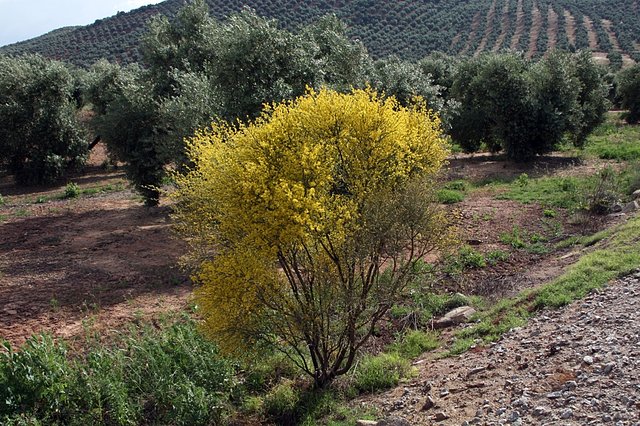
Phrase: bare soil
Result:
[570,27]
[591,32]
[552,28]
[475,24]
[534,32]
[96,262]
[488,29]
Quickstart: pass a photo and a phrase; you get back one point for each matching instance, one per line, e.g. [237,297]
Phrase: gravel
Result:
[579,365]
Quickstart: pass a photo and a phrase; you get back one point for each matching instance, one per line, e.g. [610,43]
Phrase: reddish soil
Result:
[97,261]
[570,27]
[472,34]
[534,33]
[552,28]
[591,32]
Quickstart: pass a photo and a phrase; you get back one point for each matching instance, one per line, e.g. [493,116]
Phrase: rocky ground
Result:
[575,366]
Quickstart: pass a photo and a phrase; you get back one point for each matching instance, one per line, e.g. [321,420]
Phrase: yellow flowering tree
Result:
[307,223]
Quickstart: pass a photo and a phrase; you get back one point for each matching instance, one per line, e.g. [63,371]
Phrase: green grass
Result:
[380,372]
[414,343]
[450,196]
[614,141]
[560,192]
[619,255]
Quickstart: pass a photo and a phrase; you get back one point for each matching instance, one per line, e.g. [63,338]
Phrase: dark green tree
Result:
[628,88]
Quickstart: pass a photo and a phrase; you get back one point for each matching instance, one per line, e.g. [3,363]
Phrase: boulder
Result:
[456,316]
[636,194]
[633,206]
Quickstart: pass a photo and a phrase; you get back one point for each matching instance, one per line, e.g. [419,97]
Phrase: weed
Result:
[514,238]
[379,372]
[496,256]
[460,345]
[72,190]
[1,200]
[522,181]
[281,401]
[414,343]
[549,213]
[54,304]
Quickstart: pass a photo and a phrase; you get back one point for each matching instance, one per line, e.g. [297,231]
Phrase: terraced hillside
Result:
[410,29]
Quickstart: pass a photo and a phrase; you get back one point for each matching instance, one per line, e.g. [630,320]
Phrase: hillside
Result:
[410,29]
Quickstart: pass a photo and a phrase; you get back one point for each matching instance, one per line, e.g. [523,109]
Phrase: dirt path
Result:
[94,263]
[515,39]
[534,32]
[552,28]
[488,29]
[574,366]
[591,32]
[570,27]
[504,27]
[475,24]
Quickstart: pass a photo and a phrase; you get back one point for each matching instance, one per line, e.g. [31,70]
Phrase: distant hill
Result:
[409,28]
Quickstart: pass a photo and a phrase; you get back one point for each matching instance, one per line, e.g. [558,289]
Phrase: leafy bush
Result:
[72,190]
[628,89]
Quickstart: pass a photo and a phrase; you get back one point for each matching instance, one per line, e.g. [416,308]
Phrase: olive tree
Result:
[40,136]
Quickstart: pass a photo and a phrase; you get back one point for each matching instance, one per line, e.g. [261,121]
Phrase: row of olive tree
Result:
[527,109]
[197,70]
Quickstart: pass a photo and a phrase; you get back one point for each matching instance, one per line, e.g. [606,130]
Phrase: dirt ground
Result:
[95,262]
[100,261]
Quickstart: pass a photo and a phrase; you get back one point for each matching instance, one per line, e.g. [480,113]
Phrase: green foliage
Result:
[281,401]
[380,372]
[467,258]
[628,89]
[526,109]
[514,238]
[496,256]
[40,137]
[159,377]
[72,190]
[411,29]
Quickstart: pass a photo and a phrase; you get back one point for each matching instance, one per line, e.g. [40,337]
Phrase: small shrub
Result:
[523,180]
[72,190]
[467,258]
[380,372]
[550,213]
[513,238]
[282,400]
[1,200]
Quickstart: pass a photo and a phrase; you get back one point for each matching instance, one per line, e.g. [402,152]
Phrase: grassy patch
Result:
[614,141]
[619,255]
[565,192]
[450,196]
[414,343]
[380,372]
